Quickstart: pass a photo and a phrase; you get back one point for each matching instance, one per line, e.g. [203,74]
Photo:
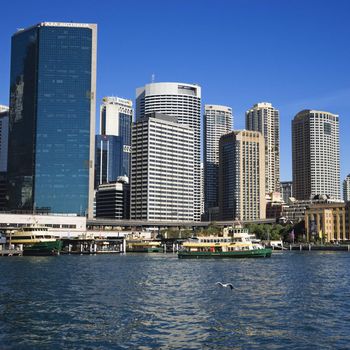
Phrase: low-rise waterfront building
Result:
[327,222]
[294,210]
[65,225]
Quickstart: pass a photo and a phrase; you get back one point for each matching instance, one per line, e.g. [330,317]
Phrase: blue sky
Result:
[292,53]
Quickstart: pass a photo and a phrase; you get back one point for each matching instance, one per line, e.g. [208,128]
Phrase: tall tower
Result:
[4,130]
[217,122]
[242,175]
[162,164]
[113,146]
[315,153]
[346,189]
[182,101]
[52,118]
[264,117]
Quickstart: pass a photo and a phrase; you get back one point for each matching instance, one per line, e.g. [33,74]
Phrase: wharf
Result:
[85,246]
[310,247]
[11,252]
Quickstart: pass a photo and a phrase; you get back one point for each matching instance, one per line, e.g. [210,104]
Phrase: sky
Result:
[294,54]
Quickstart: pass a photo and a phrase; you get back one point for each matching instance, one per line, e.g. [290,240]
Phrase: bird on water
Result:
[225,285]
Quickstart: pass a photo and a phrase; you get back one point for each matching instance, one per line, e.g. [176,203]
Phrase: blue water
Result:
[295,300]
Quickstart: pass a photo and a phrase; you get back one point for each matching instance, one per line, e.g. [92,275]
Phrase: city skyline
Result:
[281,75]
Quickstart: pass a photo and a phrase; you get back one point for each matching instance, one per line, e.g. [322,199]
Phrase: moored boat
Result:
[144,246]
[35,240]
[235,243]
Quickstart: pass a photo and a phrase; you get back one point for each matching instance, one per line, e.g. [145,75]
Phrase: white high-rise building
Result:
[218,121]
[162,169]
[346,189]
[264,117]
[3,108]
[182,101]
[315,153]
[115,114]
[4,134]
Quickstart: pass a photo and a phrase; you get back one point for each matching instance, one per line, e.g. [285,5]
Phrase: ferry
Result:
[35,240]
[144,246]
[234,243]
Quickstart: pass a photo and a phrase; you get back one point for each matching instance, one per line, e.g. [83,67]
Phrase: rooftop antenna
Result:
[153,77]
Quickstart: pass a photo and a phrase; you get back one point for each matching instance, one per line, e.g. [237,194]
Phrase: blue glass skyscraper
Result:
[52,118]
[109,159]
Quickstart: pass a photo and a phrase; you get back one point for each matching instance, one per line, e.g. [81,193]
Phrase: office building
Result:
[52,118]
[3,108]
[242,176]
[162,169]
[116,117]
[217,122]
[286,190]
[4,131]
[182,101]
[265,118]
[315,153]
[113,199]
[346,189]
[110,160]
[113,146]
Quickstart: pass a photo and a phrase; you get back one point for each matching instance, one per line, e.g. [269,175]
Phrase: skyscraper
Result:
[346,189]
[162,169]
[182,101]
[109,163]
[264,117]
[286,190]
[315,153]
[116,117]
[113,146]
[52,118]
[242,175]
[217,122]
[4,130]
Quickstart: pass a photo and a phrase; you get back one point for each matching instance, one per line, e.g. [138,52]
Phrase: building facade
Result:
[116,117]
[218,121]
[4,131]
[162,169]
[182,101]
[315,153]
[265,118]
[110,160]
[242,176]
[327,222]
[113,145]
[52,118]
[286,190]
[113,199]
[346,189]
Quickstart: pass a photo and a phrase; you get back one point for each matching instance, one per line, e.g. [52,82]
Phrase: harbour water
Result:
[294,300]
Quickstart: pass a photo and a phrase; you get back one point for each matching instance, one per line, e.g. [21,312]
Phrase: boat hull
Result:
[43,248]
[255,253]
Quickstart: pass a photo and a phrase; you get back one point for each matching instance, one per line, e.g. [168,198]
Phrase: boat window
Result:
[22,237]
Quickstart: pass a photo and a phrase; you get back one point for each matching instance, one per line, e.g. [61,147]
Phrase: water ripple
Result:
[292,301]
